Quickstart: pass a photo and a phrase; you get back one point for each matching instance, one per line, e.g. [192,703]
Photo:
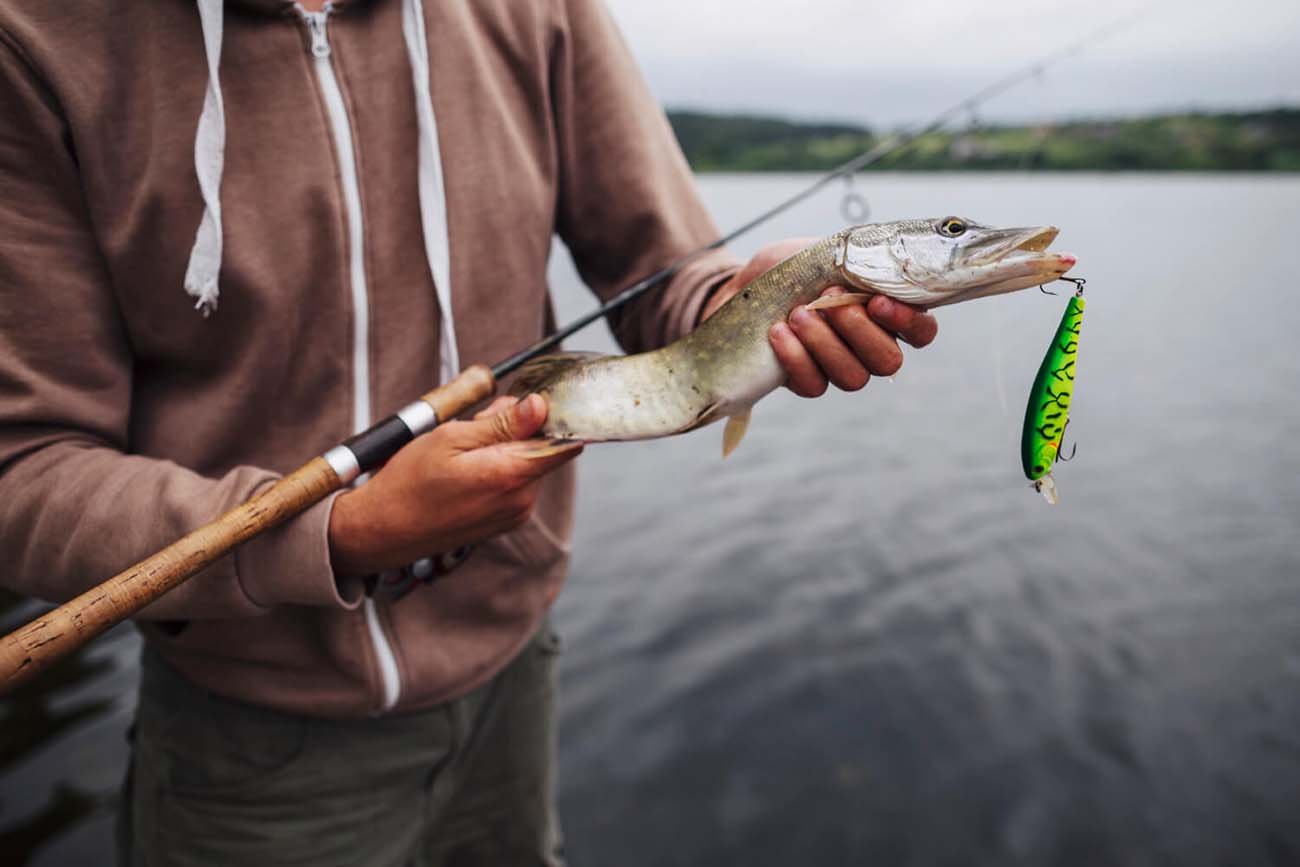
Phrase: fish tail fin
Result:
[535,375]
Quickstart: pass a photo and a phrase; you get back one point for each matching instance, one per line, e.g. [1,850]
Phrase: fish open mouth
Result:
[1040,240]
[1003,243]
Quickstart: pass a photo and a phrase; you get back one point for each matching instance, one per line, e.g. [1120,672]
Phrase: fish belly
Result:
[628,398]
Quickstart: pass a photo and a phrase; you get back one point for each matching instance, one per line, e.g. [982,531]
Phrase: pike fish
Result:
[722,368]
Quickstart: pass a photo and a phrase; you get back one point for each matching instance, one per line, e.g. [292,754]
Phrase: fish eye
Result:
[952,226]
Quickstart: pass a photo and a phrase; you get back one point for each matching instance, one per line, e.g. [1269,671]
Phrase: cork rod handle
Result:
[31,649]
[474,384]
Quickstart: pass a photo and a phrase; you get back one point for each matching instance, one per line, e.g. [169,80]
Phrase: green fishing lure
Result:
[1048,410]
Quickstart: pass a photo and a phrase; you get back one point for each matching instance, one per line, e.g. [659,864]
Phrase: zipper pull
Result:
[320,43]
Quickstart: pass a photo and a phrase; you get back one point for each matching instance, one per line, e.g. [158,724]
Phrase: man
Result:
[375,185]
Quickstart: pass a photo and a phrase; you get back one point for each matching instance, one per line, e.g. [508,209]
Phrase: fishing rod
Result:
[889,145]
[30,649]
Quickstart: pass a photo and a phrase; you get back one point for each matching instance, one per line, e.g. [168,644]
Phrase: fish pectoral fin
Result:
[547,448]
[734,432]
[535,375]
[826,302]
[708,415]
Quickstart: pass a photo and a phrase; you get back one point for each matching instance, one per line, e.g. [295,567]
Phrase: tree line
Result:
[1259,141]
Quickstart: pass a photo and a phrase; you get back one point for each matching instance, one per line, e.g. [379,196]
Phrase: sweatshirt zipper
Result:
[338,119]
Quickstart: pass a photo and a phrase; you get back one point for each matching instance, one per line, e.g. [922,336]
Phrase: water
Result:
[862,639]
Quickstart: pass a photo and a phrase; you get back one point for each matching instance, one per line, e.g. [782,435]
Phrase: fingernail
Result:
[833,291]
[779,329]
[800,315]
[529,409]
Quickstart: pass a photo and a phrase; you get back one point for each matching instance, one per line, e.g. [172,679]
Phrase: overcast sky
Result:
[891,63]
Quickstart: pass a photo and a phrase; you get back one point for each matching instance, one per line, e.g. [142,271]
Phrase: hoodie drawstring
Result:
[433,194]
[209,162]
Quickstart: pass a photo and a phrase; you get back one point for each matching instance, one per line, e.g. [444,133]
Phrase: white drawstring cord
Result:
[433,193]
[204,269]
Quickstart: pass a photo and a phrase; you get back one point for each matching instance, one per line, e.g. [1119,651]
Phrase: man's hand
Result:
[844,345]
[462,482]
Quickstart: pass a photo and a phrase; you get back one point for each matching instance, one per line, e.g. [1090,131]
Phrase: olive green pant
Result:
[217,782]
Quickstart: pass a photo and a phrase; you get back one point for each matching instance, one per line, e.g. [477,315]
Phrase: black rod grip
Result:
[379,443]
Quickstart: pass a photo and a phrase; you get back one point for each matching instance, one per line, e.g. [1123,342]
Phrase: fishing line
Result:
[877,152]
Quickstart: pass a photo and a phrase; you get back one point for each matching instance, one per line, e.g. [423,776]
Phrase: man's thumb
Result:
[516,422]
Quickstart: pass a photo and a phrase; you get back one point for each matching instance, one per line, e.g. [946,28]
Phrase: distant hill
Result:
[1258,141]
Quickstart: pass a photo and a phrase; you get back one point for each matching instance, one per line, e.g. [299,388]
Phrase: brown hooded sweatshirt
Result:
[128,418]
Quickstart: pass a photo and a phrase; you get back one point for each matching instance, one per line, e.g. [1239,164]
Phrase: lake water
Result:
[862,638]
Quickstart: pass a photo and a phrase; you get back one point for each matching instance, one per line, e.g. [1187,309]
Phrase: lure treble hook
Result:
[1077,281]
[1060,456]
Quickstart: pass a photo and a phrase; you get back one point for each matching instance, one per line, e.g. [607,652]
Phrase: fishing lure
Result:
[1048,410]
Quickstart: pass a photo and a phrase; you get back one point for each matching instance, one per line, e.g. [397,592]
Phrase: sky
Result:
[891,64]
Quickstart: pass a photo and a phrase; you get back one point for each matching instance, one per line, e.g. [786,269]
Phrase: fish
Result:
[726,365]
